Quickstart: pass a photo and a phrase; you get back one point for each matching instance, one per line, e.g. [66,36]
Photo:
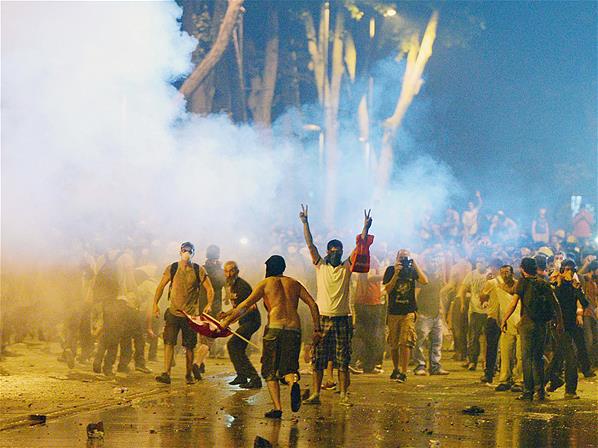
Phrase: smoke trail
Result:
[97,148]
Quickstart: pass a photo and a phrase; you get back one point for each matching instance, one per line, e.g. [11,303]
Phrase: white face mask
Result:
[186,256]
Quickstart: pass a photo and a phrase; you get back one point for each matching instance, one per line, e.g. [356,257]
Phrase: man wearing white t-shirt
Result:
[473,283]
[333,277]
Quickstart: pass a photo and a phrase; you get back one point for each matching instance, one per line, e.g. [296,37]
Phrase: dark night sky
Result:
[517,100]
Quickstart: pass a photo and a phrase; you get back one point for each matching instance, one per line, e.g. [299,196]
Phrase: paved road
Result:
[425,411]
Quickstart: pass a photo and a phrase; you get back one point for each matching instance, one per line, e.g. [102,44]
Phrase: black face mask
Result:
[334,259]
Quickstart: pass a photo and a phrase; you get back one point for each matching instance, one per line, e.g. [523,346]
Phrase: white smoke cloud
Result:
[96,144]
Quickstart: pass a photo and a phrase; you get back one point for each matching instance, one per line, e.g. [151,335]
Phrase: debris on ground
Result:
[95,430]
[38,419]
[473,410]
[260,442]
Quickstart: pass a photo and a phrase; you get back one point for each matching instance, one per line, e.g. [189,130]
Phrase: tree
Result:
[205,67]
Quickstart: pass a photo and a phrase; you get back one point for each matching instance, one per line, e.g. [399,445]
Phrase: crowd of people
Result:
[520,305]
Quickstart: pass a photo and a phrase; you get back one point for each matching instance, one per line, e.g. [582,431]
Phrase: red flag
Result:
[206,325]
[360,258]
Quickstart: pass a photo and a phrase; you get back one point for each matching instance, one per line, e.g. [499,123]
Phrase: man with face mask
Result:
[572,301]
[186,279]
[282,339]
[333,277]
[238,290]
[473,284]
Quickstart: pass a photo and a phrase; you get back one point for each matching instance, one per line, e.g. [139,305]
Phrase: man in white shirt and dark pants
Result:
[333,277]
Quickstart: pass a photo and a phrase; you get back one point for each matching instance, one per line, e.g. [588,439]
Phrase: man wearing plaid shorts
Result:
[333,279]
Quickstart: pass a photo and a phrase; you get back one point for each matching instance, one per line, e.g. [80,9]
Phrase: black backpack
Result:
[174,266]
[538,300]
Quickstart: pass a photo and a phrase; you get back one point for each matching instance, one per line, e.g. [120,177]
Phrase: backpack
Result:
[174,266]
[538,300]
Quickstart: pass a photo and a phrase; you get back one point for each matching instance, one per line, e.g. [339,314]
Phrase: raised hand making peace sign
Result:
[303,214]
[367,220]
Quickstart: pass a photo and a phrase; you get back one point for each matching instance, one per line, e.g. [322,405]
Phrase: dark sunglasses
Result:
[187,249]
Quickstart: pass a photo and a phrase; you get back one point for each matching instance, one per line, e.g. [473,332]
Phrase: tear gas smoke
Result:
[98,150]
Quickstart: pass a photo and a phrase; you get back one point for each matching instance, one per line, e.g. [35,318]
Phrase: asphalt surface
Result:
[423,412]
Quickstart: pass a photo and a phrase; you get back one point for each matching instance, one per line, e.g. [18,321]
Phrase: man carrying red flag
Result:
[282,340]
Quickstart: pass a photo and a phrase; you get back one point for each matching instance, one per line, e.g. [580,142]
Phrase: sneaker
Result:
[312,399]
[345,401]
[237,381]
[375,371]
[525,397]
[202,368]
[554,385]
[295,397]
[503,387]
[274,413]
[196,372]
[587,374]
[439,372]
[571,396]
[143,369]
[395,374]
[189,378]
[472,366]
[254,383]
[517,388]
[329,385]
[486,379]
[420,371]
[163,378]
[356,370]
[402,377]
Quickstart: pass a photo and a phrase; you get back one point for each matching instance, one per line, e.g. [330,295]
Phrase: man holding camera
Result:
[400,282]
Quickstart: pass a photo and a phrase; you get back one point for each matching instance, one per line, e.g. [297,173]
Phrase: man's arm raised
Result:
[367,223]
[244,306]
[313,250]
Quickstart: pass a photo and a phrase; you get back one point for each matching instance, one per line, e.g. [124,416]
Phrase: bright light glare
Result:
[390,12]
[244,241]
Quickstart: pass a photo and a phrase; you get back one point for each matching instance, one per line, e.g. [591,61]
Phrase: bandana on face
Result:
[334,258]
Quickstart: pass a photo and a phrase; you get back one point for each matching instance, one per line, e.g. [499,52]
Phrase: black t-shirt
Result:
[568,296]
[522,287]
[401,300]
[240,290]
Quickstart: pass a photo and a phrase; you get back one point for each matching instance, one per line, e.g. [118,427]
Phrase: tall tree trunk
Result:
[263,87]
[328,90]
[201,100]
[417,58]
[200,72]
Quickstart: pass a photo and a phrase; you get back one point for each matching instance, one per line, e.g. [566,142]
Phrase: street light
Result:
[390,12]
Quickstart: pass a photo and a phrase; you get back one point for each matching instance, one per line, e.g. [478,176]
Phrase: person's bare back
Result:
[281,298]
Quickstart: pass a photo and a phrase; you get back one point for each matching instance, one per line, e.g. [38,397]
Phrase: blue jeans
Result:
[429,329]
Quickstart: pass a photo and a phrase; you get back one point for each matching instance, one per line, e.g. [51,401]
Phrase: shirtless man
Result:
[282,340]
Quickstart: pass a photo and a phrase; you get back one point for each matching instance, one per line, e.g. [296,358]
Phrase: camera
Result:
[407,268]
